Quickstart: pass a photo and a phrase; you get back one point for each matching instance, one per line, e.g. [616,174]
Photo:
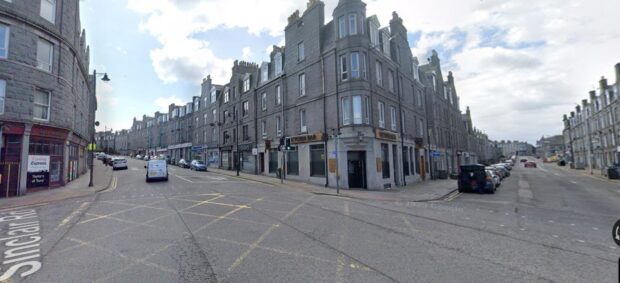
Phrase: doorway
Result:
[261,162]
[356,166]
[395,162]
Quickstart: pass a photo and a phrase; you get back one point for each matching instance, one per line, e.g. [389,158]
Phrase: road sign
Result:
[616,232]
[436,154]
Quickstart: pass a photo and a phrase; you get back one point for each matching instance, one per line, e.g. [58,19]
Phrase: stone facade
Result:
[354,102]
[46,93]
[592,132]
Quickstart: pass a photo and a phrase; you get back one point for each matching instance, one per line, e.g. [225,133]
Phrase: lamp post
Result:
[95,123]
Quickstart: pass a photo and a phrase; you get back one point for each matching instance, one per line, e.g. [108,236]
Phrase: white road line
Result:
[574,182]
[572,224]
[556,236]
[595,228]
[581,241]
[556,174]
[550,221]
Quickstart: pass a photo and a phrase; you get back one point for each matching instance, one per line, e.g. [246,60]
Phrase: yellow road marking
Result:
[262,237]
[73,214]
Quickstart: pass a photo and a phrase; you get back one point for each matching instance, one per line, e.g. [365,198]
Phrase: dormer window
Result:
[246,84]
[213,95]
[226,96]
[278,59]
[264,72]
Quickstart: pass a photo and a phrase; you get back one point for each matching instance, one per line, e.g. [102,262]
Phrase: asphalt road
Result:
[543,225]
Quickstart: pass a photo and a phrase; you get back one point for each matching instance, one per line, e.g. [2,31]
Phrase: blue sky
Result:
[515,63]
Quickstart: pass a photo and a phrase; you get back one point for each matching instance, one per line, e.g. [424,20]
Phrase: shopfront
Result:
[10,153]
[226,158]
[248,159]
[49,142]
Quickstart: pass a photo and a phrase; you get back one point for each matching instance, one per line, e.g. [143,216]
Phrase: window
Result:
[342,27]
[374,34]
[205,117]
[402,121]
[213,95]
[381,115]
[2,95]
[264,101]
[246,108]
[346,111]
[45,51]
[393,118]
[355,65]
[357,109]
[48,10]
[317,160]
[418,97]
[226,96]
[391,80]
[226,114]
[273,161]
[246,85]
[386,43]
[292,162]
[4,41]
[302,120]
[434,83]
[385,161]
[42,105]
[245,133]
[416,74]
[379,73]
[363,66]
[263,125]
[278,127]
[197,105]
[301,52]
[406,160]
[214,115]
[420,128]
[302,84]
[445,95]
[367,110]
[278,95]
[353,24]
[264,72]
[344,72]
[213,134]
[278,59]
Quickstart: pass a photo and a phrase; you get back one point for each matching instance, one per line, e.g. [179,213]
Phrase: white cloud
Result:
[247,53]
[105,97]
[163,102]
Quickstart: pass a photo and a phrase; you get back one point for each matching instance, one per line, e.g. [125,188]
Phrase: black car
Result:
[474,178]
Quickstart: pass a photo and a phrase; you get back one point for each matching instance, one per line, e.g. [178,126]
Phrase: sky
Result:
[518,65]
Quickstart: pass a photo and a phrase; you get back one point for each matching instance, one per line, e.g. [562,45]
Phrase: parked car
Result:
[146,157]
[506,165]
[156,170]
[183,163]
[562,163]
[100,155]
[496,179]
[198,165]
[474,178]
[503,169]
[530,164]
[139,157]
[500,173]
[119,163]
[523,160]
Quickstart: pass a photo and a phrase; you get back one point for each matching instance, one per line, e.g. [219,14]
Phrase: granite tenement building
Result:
[47,101]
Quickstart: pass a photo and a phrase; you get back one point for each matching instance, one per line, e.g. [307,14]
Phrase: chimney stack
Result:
[618,73]
[592,95]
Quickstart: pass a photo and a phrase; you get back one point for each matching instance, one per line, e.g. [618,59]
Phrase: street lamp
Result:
[105,78]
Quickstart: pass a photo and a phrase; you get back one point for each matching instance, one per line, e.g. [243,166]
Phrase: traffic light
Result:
[288,146]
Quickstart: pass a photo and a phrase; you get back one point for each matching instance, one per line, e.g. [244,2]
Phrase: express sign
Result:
[38,163]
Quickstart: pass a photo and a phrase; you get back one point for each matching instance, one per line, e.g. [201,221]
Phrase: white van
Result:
[156,170]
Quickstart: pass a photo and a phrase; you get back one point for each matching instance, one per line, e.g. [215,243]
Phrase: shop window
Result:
[406,160]
[317,160]
[292,162]
[273,161]
[385,160]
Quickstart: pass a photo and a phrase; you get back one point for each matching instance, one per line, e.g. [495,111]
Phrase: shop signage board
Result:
[255,151]
[307,138]
[38,163]
[38,179]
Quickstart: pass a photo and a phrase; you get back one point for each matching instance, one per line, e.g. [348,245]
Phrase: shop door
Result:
[261,162]
[356,163]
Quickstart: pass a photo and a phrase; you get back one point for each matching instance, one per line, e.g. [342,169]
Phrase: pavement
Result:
[542,225]
[102,177]
[416,192]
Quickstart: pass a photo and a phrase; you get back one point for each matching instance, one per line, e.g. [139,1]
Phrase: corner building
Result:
[47,104]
